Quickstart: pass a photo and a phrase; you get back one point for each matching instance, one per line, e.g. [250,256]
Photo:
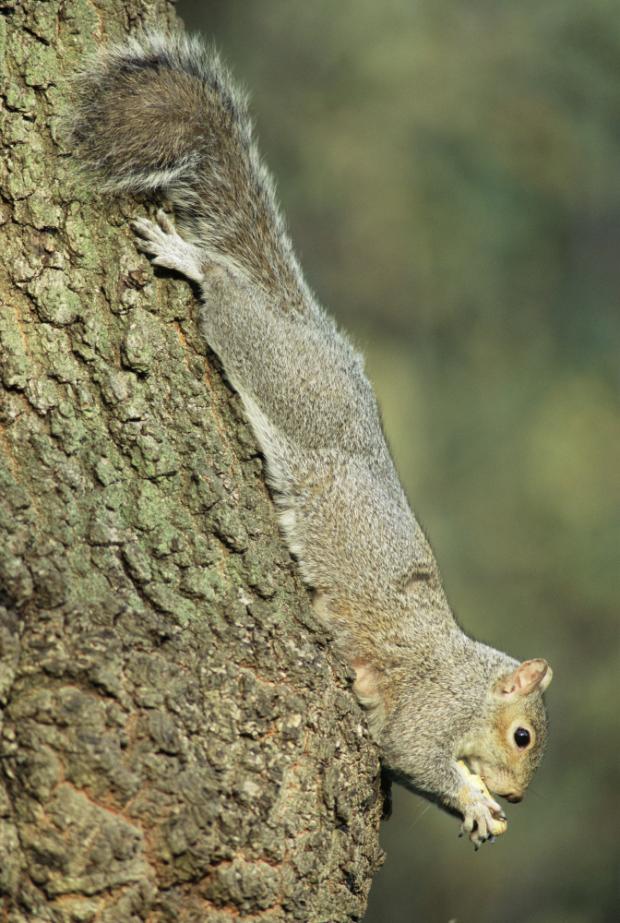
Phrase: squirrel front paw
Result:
[483,818]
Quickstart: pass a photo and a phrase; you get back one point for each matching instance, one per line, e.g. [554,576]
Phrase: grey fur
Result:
[161,112]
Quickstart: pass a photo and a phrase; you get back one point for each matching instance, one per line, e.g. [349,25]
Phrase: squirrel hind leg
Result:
[166,248]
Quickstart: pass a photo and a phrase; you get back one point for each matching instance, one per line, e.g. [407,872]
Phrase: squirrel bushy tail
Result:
[162,113]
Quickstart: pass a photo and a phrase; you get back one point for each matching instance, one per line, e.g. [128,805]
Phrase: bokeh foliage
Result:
[451,173]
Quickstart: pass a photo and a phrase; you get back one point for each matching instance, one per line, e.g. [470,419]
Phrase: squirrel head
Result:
[507,745]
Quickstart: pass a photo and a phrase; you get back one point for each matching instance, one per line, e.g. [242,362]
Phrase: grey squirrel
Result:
[454,719]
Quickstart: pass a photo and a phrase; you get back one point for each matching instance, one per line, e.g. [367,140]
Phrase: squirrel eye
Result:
[521,737]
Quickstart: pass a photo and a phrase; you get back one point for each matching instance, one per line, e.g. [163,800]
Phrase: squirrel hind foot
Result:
[166,248]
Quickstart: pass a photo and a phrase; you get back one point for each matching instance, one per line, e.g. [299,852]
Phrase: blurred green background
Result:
[451,175]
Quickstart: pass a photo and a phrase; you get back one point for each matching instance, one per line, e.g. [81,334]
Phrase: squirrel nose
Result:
[513,797]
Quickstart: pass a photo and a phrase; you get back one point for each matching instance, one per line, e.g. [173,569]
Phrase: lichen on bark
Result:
[177,740]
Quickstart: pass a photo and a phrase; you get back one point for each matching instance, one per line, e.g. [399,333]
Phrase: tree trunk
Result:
[177,742]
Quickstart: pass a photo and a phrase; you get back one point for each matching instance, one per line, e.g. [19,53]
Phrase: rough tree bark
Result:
[177,742]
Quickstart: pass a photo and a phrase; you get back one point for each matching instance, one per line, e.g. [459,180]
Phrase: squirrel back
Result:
[454,719]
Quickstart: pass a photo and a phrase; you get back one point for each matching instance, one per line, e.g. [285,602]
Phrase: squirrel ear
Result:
[366,685]
[530,676]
